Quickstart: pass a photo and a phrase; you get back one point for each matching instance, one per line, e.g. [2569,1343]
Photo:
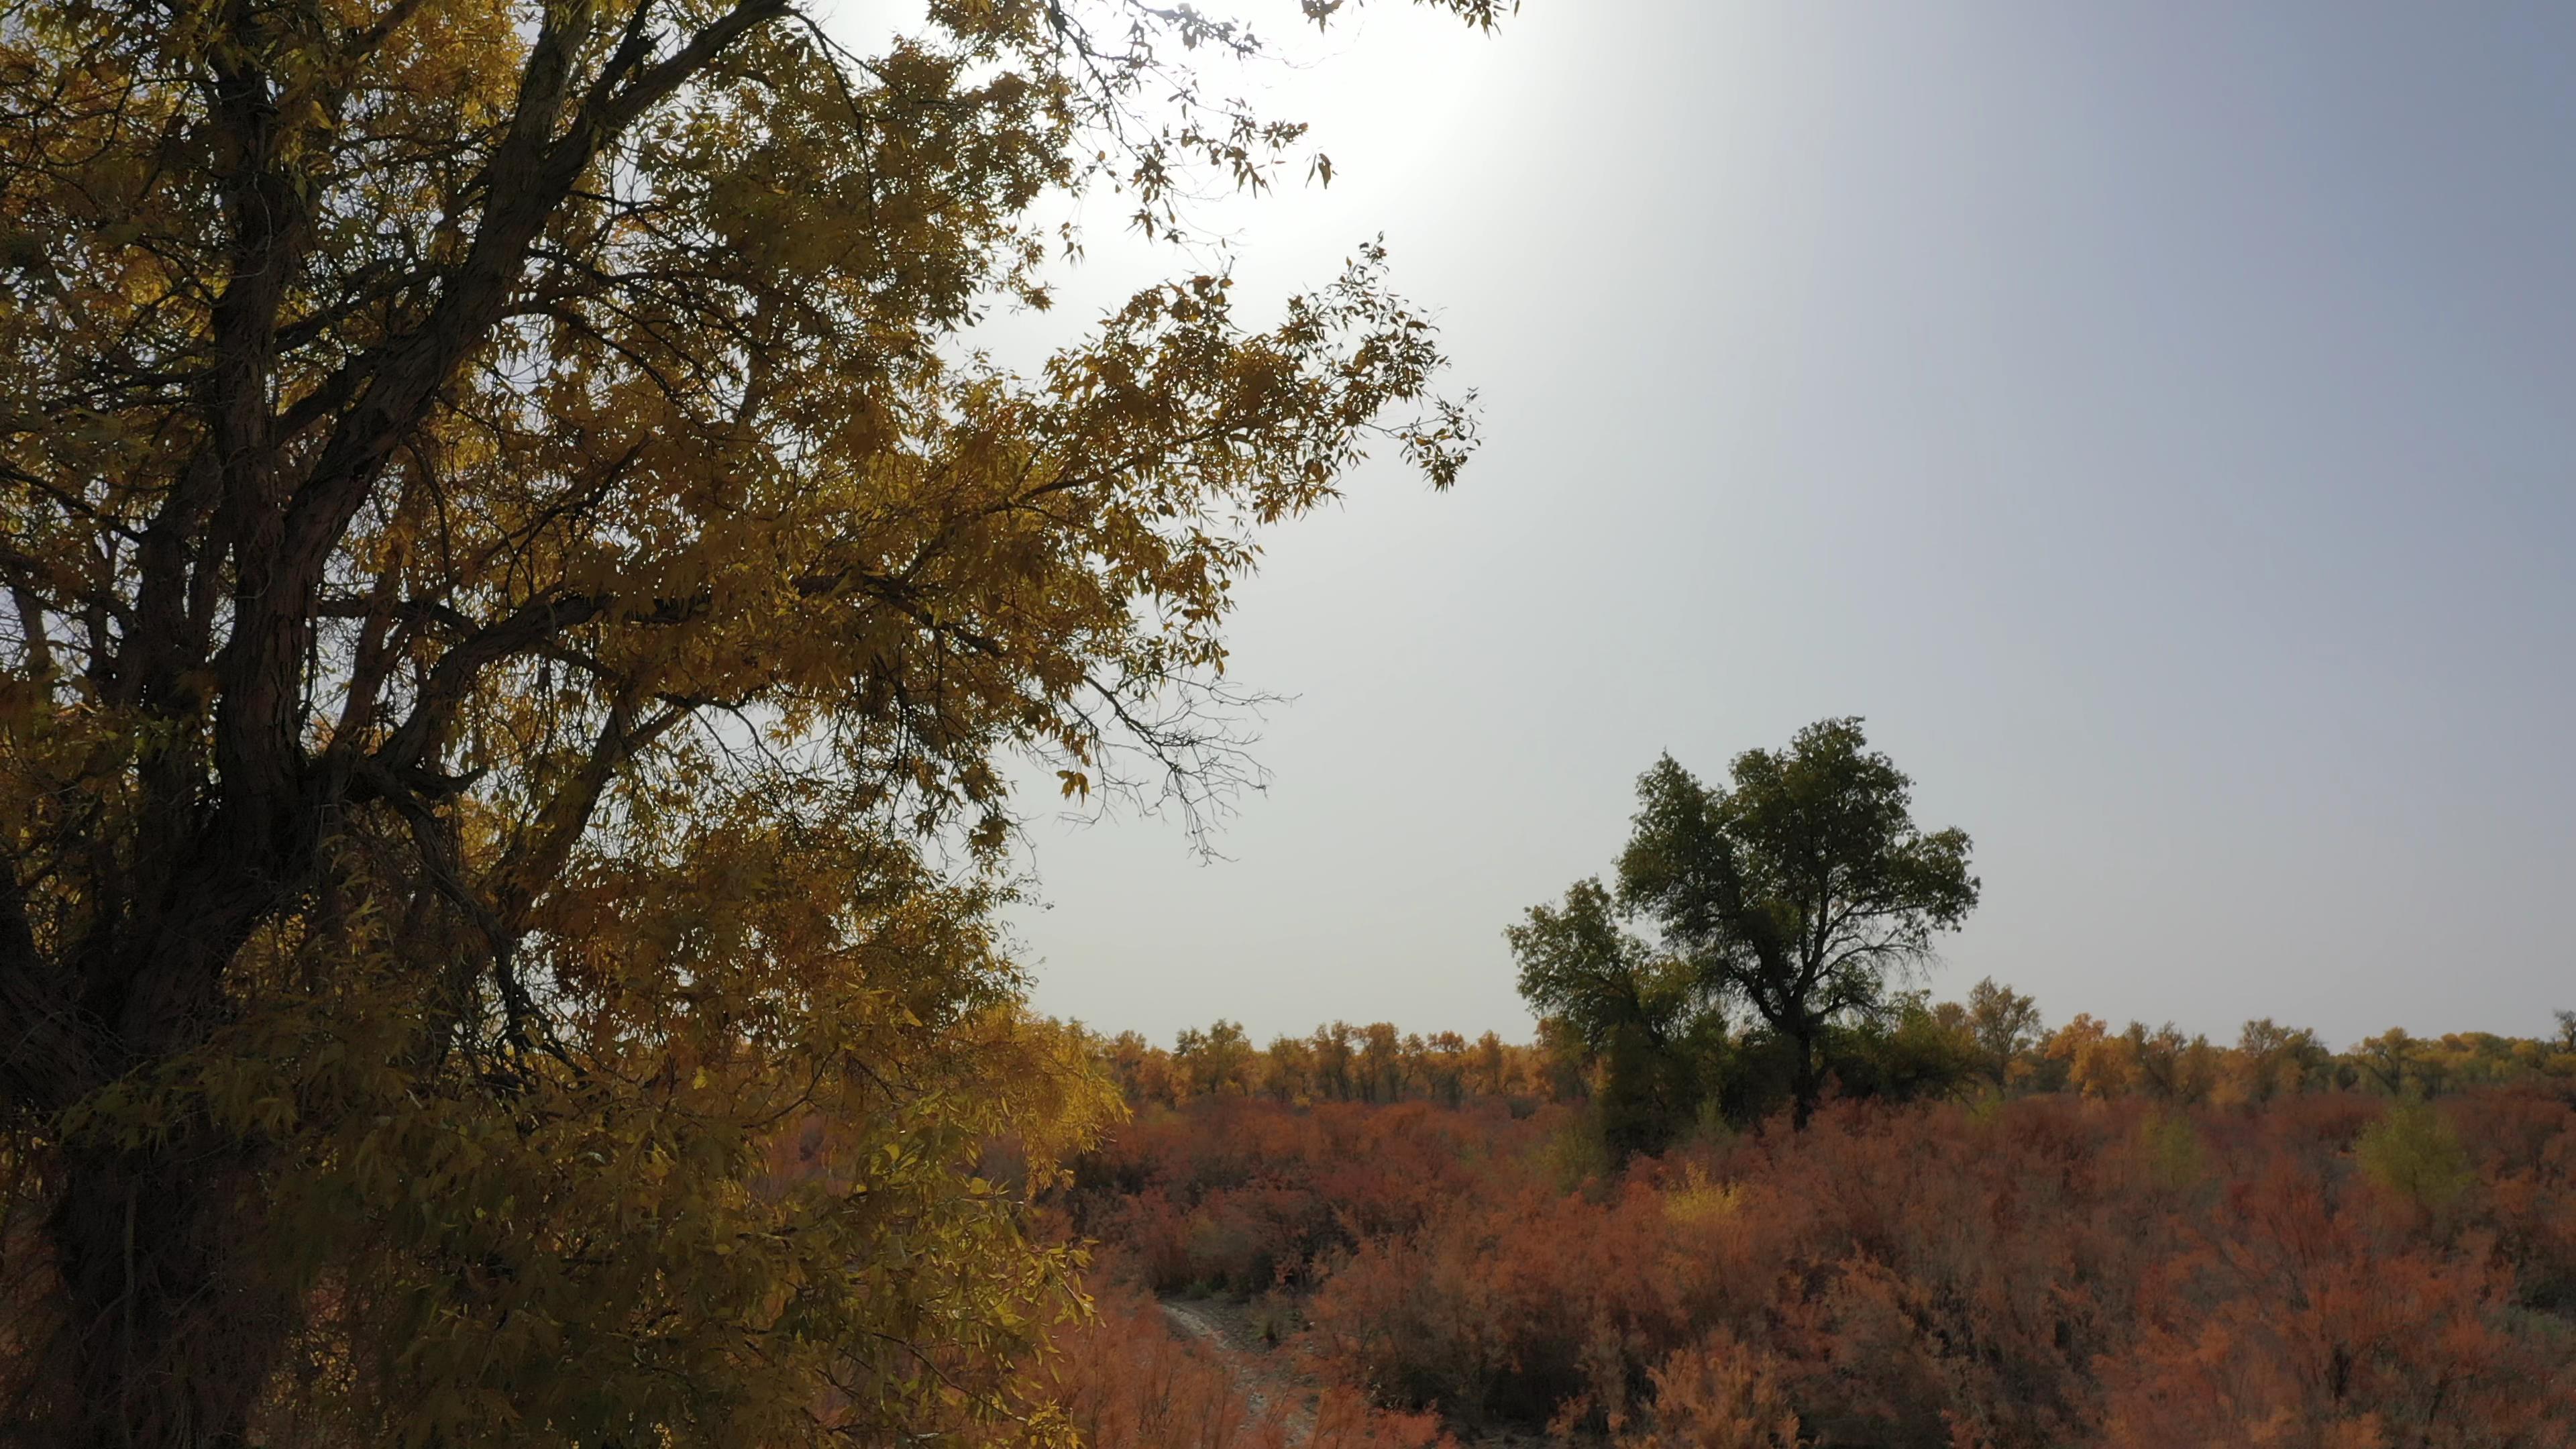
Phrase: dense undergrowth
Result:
[2329,1269]
[1125,1381]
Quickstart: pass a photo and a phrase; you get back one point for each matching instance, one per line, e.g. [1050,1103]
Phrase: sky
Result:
[2158,422]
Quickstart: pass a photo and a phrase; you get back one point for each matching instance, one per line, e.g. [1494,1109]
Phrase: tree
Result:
[1908,1050]
[2391,1059]
[2170,1065]
[1803,889]
[1580,965]
[1288,1069]
[1631,1009]
[2095,1063]
[519,594]
[2006,1025]
[1334,1057]
[1142,1070]
[1215,1062]
[2276,1060]
[1444,1067]
[1380,1066]
[1489,1066]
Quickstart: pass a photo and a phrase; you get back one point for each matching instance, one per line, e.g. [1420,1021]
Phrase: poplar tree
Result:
[1801,889]
[1800,893]
[519,592]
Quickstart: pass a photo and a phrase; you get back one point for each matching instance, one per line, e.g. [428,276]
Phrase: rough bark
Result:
[175,1341]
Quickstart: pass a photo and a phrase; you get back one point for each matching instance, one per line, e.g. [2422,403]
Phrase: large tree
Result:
[517,595]
[1803,889]
[1801,892]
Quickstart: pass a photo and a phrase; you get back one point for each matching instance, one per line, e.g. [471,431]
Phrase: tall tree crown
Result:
[1805,876]
[1801,891]
[518,594]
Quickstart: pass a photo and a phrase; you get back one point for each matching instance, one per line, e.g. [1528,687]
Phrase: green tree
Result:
[1908,1050]
[1288,1069]
[1630,1007]
[2415,1152]
[519,592]
[1802,889]
[1580,965]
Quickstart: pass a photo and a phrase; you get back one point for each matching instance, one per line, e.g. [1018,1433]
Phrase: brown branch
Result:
[419,739]
[45,1056]
[429,841]
[538,855]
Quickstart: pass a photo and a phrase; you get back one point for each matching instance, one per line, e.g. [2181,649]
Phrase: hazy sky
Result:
[2160,425]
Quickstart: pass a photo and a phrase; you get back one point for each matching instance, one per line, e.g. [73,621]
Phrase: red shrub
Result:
[1126,1382]
[2315,1271]
[1718,1394]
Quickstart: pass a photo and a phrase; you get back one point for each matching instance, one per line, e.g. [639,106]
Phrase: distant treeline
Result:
[1994,1043]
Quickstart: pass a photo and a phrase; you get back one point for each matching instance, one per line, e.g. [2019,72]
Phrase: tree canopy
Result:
[518,600]
[1634,1009]
[1802,891]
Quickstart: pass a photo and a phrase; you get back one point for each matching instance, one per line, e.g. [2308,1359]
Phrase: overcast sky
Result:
[2159,425]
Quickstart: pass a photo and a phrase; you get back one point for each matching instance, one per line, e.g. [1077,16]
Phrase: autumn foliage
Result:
[522,595]
[1125,1380]
[2329,1268]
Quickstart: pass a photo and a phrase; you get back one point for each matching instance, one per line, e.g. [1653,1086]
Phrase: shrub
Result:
[2414,1153]
[1124,1381]
[1718,1394]
[2035,1271]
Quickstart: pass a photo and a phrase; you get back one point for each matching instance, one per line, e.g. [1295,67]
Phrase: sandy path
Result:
[1264,1383]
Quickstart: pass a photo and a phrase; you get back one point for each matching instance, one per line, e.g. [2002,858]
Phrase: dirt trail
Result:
[1265,1382]
[1266,1377]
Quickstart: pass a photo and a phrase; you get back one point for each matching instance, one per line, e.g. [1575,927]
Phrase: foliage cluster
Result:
[2326,1269]
[1799,895]
[1338,1062]
[518,591]
[1123,1380]
[1246,1195]
[1993,1043]
[1762,939]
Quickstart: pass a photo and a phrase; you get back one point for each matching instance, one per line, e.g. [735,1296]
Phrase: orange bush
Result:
[1125,1381]
[1718,1394]
[1244,1195]
[2303,1319]
[1507,1309]
[2055,1270]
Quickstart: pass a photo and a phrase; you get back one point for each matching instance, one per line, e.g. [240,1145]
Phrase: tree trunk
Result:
[1806,1081]
[172,1342]
[172,1330]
